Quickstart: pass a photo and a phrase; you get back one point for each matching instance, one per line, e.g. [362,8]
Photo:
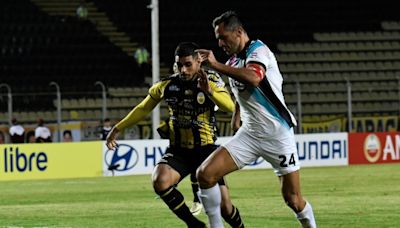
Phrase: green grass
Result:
[355,196]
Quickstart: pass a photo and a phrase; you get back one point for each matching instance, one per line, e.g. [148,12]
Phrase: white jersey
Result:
[42,132]
[262,109]
[16,130]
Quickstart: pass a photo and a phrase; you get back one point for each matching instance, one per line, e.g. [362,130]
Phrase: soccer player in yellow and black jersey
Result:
[192,95]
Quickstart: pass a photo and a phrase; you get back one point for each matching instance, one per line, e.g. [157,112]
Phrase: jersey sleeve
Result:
[259,54]
[157,90]
[221,96]
[216,82]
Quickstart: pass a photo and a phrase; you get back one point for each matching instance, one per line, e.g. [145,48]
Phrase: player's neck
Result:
[244,42]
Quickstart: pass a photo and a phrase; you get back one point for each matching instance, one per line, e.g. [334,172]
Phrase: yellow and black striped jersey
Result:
[192,112]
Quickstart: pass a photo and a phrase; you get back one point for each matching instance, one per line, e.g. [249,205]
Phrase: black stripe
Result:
[177,133]
[271,96]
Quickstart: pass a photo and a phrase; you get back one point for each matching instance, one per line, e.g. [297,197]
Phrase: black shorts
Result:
[186,161]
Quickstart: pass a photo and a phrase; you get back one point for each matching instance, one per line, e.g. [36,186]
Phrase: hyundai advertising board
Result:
[141,156]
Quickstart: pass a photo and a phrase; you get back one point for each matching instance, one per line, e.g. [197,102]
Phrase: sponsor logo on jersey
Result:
[201,98]
[171,100]
[253,55]
[173,88]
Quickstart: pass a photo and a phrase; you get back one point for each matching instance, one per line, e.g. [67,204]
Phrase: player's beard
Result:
[186,77]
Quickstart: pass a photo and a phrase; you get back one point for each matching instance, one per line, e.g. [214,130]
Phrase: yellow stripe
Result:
[169,191]
[180,205]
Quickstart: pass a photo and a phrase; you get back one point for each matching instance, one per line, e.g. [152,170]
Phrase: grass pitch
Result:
[354,196]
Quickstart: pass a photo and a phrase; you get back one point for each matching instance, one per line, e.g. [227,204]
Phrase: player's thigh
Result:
[281,153]
[282,163]
[243,148]
[217,165]
[171,169]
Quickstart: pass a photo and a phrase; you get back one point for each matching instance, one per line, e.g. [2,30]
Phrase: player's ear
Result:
[239,31]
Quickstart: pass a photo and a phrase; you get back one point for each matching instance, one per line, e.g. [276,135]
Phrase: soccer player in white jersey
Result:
[267,124]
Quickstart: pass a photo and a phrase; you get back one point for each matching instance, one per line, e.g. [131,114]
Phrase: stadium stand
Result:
[43,41]
[38,48]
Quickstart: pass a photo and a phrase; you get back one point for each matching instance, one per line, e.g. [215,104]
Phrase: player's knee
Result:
[160,183]
[205,179]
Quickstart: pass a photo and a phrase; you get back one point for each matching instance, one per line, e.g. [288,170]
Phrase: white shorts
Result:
[280,151]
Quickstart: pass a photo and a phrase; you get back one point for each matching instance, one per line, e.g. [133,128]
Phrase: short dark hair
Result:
[230,19]
[186,49]
[67,132]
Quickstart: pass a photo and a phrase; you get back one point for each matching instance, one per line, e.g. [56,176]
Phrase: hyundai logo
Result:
[123,158]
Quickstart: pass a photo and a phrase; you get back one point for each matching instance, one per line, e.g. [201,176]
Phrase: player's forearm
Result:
[137,114]
[243,75]
[223,100]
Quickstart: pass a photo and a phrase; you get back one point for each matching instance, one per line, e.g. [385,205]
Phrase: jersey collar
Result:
[242,53]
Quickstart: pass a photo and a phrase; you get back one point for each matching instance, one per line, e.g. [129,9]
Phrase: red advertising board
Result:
[370,148]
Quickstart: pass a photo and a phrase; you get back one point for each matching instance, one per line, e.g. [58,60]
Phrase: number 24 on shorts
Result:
[284,158]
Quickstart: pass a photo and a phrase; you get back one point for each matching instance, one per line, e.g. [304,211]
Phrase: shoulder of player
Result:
[170,77]
[167,79]
[163,82]
[213,75]
[257,45]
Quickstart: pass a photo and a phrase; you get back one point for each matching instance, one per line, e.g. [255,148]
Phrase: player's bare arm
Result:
[203,82]
[235,121]
[137,114]
[252,74]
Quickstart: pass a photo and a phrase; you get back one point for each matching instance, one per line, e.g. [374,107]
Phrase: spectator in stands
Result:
[106,128]
[175,68]
[67,136]
[17,132]
[142,57]
[2,138]
[30,137]
[267,124]
[191,95]
[82,11]
[42,133]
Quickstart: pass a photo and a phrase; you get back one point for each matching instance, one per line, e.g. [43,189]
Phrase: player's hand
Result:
[203,82]
[206,56]
[111,142]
